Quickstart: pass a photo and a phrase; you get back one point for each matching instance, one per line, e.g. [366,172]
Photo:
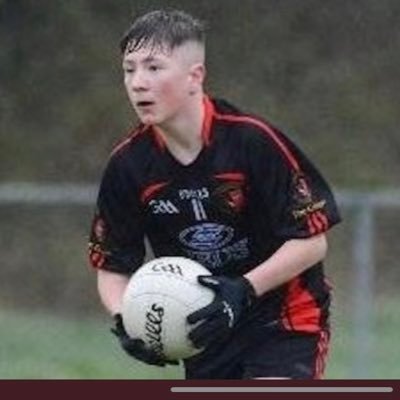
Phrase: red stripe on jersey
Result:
[128,139]
[151,191]
[266,129]
[300,312]
[319,226]
[324,220]
[317,222]
[322,355]
[311,227]
[231,176]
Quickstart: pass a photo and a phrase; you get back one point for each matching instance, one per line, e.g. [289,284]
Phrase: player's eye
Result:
[128,70]
[154,68]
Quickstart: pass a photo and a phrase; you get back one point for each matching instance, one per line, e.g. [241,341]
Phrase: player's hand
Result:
[217,320]
[136,347]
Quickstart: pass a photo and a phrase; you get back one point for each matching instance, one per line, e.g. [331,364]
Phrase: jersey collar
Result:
[209,112]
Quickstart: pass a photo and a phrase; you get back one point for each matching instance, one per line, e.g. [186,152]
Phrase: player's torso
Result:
[201,210]
[211,210]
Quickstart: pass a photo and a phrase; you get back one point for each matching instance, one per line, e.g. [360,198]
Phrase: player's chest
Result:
[198,197]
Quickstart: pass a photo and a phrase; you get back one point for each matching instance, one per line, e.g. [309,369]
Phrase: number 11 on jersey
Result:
[198,209]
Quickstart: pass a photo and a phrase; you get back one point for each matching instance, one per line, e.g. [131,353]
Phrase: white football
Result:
[158,298]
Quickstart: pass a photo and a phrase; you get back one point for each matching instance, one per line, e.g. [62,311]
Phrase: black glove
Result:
[136,347]
[232,297]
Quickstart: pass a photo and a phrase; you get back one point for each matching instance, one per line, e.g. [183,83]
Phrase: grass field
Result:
[40,346]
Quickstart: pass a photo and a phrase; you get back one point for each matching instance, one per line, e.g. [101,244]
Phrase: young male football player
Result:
[201,179]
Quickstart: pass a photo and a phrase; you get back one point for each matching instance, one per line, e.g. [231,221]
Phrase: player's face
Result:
[157,83]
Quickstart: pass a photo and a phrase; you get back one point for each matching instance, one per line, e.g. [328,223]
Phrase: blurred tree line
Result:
[323,71]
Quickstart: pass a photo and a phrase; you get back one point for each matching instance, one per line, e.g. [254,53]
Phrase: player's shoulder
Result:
[132,139]
[137,141]
[251,127]
[257,134]
[128,152]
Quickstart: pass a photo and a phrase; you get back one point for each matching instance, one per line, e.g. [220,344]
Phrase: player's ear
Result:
[197,74]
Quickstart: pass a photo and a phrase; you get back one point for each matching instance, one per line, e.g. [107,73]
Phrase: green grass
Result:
[383,360]
[40,346]
[43,346]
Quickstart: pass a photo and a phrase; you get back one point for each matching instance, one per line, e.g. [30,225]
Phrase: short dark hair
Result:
[163,29]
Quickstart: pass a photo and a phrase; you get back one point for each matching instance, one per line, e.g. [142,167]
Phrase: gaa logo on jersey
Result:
[207,236]
[163,207]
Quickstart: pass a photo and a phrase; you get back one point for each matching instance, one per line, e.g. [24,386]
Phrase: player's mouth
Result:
[144,104]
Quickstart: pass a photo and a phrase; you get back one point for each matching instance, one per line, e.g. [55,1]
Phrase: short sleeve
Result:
[116,237]
[296,198]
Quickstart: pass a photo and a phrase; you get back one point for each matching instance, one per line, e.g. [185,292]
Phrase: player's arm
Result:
[111,286]
[234,295]
[290,260]
[116,245]
[299,207]
[116,249]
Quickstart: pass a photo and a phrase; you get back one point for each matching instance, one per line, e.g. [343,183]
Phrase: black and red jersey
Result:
[249,190]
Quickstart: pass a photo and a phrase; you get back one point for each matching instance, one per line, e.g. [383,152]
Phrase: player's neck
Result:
[183,134]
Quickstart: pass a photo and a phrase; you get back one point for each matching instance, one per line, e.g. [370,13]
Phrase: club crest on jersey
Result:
[304,204]
[300,189]
[230,197]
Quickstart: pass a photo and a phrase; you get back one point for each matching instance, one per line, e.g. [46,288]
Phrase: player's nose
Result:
[138,81]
